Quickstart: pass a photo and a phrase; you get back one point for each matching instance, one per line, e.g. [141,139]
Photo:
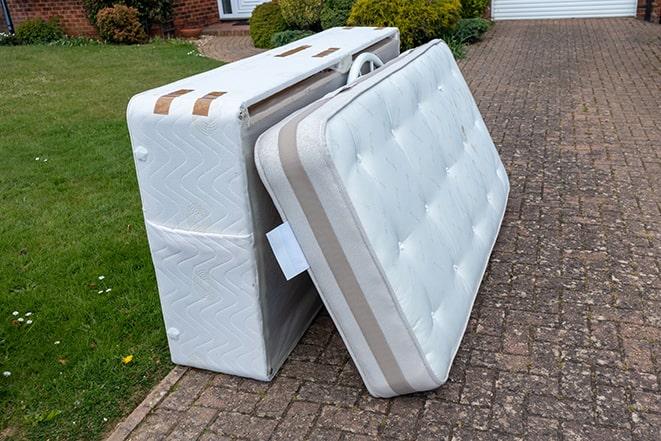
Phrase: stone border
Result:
[125,427]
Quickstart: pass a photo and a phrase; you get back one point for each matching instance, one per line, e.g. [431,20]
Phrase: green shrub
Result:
[120,24]
[266,20]
[418,20]
[470,30]
[335,13]
[149,11]
[473,8]
[457,46]
[302,14]
[286,37]
[39,30]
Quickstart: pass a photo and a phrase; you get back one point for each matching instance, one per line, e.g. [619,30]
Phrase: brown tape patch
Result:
[202,104]
[293,51]
[162,106]
[379,28]
[328,51]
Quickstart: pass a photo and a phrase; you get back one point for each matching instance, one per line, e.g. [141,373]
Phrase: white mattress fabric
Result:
[226,305]
[395,192]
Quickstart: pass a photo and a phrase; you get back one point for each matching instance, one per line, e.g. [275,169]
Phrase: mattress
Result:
[226,305]
[395,192]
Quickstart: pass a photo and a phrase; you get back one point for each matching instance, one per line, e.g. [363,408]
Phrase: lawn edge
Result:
[127,425]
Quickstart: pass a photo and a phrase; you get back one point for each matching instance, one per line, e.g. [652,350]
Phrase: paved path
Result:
[564,338]
[227,48]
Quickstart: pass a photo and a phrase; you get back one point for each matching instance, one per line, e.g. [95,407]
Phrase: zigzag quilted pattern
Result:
[213,324]
[193,174]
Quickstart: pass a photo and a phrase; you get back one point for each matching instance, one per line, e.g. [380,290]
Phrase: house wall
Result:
[656,10]
[71,12]
[186,13]
[195,13]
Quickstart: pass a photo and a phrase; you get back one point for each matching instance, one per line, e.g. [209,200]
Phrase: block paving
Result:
[564,340]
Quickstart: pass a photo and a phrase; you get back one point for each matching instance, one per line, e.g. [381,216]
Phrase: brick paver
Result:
[564,339]
[227,47]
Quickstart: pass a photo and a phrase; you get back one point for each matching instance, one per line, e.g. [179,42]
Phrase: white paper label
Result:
[287,251]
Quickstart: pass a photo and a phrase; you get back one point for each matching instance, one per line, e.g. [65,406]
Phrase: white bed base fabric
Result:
[226,305]
[396,193]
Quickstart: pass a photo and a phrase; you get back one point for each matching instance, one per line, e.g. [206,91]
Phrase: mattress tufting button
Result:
[427,208]
[401,246]
[173,333]
[141,153]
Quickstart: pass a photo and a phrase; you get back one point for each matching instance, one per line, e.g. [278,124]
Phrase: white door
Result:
[522,9]
[236,9]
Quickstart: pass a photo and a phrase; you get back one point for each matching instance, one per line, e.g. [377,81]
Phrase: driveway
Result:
[564,340]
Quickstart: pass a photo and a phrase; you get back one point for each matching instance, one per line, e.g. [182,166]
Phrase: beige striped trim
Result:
[293,51]
[162,106]
[328,51]
[334,255]
[202,104]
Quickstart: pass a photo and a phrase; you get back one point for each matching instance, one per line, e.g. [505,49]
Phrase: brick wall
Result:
[186,13]
[195,13]
[72,14]
[656,10]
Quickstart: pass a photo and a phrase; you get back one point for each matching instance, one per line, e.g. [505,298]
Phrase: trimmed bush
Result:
[418,20]
[39,30]
[149,11]
[473,8]
[120,24]
[470,30]
[286,37]
[335,13]
[266,20]
[302,14]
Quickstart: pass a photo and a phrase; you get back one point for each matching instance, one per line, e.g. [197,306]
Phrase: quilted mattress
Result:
[395,192]
[226,304]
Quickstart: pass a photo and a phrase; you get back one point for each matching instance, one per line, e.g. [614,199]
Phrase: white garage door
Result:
[521,9]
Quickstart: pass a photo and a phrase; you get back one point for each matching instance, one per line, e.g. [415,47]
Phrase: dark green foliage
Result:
[39,30]
[7,39]
[470,30]
[335,13]
[266,20]
[149,11]
[120,24]
[418,20]
[286,37]
[473,8]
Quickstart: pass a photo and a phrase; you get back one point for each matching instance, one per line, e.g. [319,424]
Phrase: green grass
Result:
[68,220]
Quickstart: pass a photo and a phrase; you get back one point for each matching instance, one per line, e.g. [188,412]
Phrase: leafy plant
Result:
[470,30]
[120,24]
[39,30]
[302,14]
[473,8]
[149,11]
[418,20]
[286,37]
[266,20]
[455,44]
[335,13]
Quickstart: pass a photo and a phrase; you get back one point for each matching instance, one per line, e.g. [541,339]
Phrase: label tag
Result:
[287,251]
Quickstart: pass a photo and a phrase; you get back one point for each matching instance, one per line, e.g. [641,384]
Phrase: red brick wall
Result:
[656,10]
[194,13]
[72,14]
[186,13]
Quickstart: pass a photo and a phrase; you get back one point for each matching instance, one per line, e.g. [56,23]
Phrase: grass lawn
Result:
[67,218]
